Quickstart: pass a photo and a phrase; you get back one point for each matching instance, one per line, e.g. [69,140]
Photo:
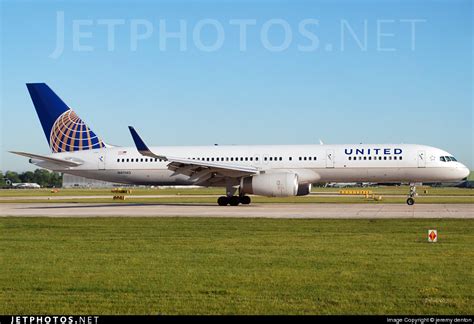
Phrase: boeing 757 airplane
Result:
[266,170]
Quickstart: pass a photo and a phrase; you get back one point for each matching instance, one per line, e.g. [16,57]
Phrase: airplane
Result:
[22,185]
[266,170]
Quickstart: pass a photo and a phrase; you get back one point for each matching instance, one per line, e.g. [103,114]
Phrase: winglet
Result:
[141,146]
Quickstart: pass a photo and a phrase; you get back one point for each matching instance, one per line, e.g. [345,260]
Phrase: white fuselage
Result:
[312,163]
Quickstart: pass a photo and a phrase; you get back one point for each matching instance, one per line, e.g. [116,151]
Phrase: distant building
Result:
[72,181]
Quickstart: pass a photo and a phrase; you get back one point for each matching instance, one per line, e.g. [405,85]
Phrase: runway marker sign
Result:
[432,236]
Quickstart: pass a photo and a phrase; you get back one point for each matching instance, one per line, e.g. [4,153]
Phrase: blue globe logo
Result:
[69,133]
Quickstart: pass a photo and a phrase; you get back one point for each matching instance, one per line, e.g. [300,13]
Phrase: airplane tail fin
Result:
[64,130]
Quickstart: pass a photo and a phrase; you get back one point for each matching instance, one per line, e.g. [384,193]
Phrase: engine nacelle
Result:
[304,189]
[270,185]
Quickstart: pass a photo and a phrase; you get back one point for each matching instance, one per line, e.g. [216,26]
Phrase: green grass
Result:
[108,192]
[235,266]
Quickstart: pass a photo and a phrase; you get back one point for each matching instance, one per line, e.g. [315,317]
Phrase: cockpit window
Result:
[447,158]
[452,158]
[442,158]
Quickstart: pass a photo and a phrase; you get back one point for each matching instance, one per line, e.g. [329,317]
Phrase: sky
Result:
[242,72]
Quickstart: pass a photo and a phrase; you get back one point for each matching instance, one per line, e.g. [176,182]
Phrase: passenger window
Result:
[370,158]
[281,158]
[399,157]
[227,159]
[232,159]
[389,157]
[304,158]
[141,160]
[123,160]
[309,158]
[271,158]
[384,157]
[350,158]
[118,160]
[380,158]
[265,158]
[290,158]
[360,158]
[365,158]
[246,158]
[300,158]
[315,158]
[251,158]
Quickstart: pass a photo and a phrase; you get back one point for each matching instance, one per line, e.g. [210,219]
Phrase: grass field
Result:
[235,266]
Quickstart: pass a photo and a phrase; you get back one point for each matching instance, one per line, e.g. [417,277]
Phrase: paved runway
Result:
[301,210]
[45,198]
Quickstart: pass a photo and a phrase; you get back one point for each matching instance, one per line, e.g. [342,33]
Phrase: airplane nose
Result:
[465,172]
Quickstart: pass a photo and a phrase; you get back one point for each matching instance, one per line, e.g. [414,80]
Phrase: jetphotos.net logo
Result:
[240,34]
[53,320]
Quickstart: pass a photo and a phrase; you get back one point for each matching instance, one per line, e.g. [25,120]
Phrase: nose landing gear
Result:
[411,195]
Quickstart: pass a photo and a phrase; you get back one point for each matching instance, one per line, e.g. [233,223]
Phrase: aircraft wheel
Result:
[245,200]
[223,201]
[410,201]
[234,201]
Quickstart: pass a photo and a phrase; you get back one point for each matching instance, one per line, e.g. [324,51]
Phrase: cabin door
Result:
[421,157]
[101,159]
[330,159]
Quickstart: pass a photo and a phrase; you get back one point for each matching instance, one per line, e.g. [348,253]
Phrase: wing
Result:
[198,170]
[57,161]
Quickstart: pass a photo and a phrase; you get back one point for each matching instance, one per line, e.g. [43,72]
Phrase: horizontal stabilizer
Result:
[61,162]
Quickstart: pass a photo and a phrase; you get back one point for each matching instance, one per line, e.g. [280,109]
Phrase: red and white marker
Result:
[432,236]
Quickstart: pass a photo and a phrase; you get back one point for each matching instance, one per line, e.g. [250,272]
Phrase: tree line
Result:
[42,177]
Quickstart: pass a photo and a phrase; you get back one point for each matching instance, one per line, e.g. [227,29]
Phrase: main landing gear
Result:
[233,200]
[411,195]
[230,198]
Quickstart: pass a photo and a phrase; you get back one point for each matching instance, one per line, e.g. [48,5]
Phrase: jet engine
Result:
[304,189]
[270,185]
